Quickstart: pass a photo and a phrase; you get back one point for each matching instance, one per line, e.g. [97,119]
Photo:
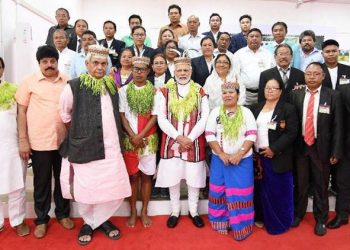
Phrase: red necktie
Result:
[309,133]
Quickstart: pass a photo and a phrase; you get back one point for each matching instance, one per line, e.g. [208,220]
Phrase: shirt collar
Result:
[279,68]
[40,77]
[318,90]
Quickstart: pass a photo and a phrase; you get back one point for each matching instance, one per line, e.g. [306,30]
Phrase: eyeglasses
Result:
[139,35]
[137,70]
[271,88]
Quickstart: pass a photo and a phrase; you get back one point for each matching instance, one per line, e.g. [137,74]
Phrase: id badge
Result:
[324,109]
[344,80]
[272,125]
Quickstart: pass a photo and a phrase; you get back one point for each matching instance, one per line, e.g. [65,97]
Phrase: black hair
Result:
[89,32]
[224,33]
[46,51]
[330,42]
[245,16]
[138,27]
[315,63]
[207,38]
[223,55]
[215,14]
[158,55]
[282,24]
[171,41]
[172,32]
[283,45]
[2,62]
[280,83]
[254,29]
[307,33]
[62,30]
[111,22]
[78,20]
[175,6]
[135,16]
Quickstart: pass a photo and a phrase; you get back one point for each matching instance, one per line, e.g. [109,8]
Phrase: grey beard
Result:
[182,82]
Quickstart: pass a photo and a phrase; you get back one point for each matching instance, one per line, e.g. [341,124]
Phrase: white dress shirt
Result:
[334,75]
[192,44]
[248,65]
[65,60]
[316,106]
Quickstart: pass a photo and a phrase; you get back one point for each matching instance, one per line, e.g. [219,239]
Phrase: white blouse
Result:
[262,140]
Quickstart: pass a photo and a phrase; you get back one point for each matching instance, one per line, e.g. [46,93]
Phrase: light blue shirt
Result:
[301,61]
[78,65]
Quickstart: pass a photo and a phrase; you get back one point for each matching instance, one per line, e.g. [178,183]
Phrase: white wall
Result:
[329,19]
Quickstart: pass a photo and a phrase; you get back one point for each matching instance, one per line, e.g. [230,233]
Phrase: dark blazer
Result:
[281,140]
[73,43]
[329,140]
[167,77]
[296,76]
[238,41]
[343,70]
[149,52]
[117,45]
[345,96]
[200,70]
[210,34]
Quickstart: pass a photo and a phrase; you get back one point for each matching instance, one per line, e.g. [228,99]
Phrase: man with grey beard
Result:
[182,115]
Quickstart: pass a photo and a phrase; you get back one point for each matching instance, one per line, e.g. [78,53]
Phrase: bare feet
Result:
[223,232]
[132,220]
[146,221]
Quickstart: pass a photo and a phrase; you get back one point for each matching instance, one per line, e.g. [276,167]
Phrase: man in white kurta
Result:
[183,111]
[100,185]
[12,167]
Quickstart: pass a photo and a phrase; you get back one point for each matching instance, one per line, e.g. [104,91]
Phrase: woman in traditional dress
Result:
[122,76]
[231,132]
[222,73]
[12,167]
[277,129]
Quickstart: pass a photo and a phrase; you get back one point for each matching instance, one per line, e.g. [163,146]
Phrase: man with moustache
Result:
[249,62]
[338,77]
[318,145]
[182,115]
[40,132]
[306,53]
[283,72]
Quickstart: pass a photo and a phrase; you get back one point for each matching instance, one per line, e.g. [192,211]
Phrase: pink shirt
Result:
[46,130]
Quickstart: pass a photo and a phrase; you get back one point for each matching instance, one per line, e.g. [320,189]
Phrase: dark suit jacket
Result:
[200,70]
[343,70]
[238,41]
[345,96]
[149,52]
[281,140]
[210,34]
[296,76]
[329,140]
[73,43]
[167,77]
[117,46]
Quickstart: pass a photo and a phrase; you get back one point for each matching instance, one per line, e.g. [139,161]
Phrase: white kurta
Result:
[98,181]
[12,168]
[172,171]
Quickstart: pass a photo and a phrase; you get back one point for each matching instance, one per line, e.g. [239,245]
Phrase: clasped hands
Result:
[234,159]
[138,142]
[184,142]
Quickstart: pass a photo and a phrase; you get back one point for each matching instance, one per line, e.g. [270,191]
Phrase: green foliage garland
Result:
[231,125]
[152,144]
[7,95]
[98,86]
[140,101]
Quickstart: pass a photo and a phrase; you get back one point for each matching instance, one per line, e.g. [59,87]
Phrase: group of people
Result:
[104,119]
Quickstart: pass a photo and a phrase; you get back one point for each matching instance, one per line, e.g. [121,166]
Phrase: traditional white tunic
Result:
[103,182]
[172,171]
[12,168]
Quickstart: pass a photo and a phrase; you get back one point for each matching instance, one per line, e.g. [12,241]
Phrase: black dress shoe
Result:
[196,220]
[172,221]
[337,222]
[296,222]
[320,229]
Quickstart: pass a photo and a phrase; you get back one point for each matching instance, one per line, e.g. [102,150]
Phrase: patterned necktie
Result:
[309,133]
[79,45]
[284,77]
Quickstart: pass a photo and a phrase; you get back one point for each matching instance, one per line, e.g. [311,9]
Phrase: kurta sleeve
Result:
[122,100]
[163,122]
[210,128]
[199,128]
[66,104]
[250,134]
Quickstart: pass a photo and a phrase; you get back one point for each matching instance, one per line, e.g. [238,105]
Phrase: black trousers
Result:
[342,173]
[308,165]
[44,163]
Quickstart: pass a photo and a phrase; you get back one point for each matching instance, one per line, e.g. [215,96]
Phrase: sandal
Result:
[85,230]
[107,227]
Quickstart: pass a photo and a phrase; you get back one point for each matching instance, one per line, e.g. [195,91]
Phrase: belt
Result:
[252,90]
